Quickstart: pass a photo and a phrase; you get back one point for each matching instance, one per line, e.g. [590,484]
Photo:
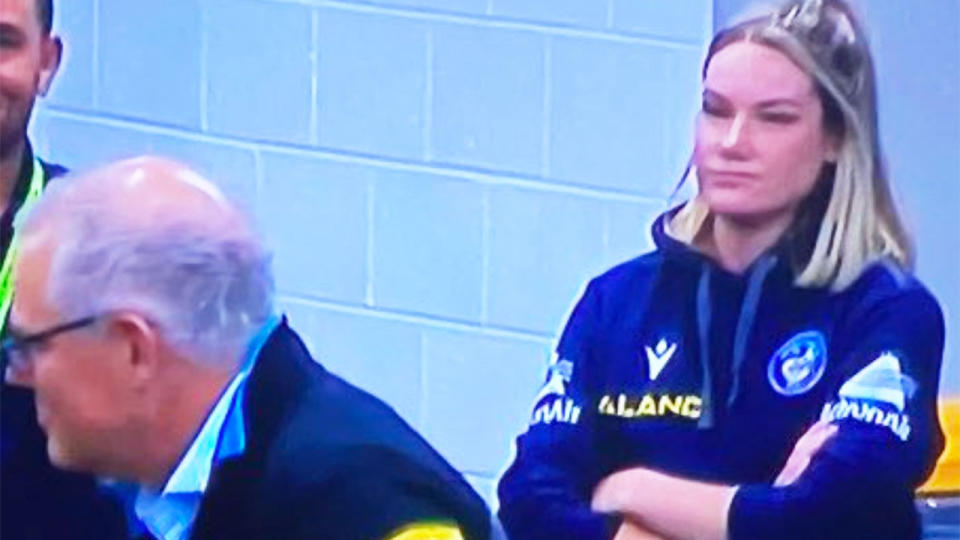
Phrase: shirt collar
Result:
[169,514]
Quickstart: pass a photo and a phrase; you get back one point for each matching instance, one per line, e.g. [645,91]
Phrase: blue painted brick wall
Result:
[258,69]
[148,60]
[438,178]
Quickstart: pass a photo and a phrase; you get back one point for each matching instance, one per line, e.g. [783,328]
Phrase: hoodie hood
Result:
[755,278]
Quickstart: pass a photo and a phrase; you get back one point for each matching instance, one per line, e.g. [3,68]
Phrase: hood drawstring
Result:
[748,313]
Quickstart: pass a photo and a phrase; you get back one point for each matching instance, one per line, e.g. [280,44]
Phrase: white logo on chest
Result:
[658,357]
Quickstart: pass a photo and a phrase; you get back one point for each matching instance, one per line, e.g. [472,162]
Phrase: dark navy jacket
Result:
[327,460]
[37,500]
[671,363]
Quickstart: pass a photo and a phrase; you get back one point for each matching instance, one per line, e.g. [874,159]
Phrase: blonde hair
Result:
[860,223]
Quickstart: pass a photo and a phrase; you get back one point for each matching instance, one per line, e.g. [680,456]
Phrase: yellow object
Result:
[946,476]
[428,531]
[6,271]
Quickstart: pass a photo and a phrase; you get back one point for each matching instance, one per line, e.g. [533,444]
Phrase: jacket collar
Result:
[277,382]
[276,385]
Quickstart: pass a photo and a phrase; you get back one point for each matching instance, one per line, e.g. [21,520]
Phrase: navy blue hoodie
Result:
[672,363]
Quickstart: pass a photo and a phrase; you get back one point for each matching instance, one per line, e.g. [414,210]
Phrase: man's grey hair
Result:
[207,289]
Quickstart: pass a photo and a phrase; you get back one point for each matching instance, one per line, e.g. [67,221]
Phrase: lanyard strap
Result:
[6,271]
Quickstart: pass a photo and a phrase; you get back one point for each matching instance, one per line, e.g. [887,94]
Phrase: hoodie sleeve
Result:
[861,482]
[546,491]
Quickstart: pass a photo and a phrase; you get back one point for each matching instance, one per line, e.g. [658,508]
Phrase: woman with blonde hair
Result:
[771,369]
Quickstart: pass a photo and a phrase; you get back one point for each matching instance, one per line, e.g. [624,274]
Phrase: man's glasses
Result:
[16,351]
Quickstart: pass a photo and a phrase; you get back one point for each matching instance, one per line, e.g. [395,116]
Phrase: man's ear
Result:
[51,51]
[141,353]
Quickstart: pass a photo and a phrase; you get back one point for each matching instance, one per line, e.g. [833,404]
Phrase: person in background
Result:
[36,500]
[144,321]
[771,369]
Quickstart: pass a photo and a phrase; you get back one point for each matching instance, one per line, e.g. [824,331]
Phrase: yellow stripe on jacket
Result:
[428,531]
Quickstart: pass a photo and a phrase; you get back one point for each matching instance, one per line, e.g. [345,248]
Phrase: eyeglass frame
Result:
[16,346]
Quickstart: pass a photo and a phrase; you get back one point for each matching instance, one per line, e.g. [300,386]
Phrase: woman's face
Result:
[760,141]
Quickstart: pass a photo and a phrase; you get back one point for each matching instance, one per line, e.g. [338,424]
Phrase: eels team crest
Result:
[798,364]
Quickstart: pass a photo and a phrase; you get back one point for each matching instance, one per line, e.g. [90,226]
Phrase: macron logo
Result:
[658,357]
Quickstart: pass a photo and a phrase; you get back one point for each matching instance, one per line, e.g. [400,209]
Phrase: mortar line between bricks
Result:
[204,70]
[428,99]
[424,384]
[258,185]
[485,258]
[546,124]
[368,294]
[423,320]
[481,176]
[314,128]
[95,61]
[605,233]
[480,19]
[479,475]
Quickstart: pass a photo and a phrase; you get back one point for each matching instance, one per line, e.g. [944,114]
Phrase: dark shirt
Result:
[19,194]
[38,501]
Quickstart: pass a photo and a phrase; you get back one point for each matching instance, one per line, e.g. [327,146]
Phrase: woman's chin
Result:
[735,207]
[746,211]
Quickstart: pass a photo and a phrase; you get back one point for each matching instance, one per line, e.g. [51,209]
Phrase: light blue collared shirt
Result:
[169,514]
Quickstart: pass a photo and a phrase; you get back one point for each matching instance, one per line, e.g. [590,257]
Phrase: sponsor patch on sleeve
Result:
[562,368]
[552,403]
[882,381]
[877,394]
